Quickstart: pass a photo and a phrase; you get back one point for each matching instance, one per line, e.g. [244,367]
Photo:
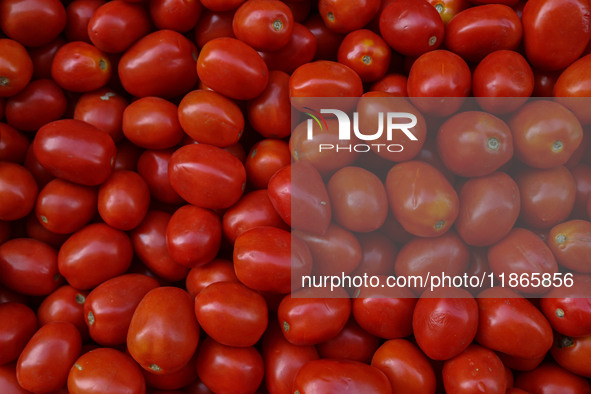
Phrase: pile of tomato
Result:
[147,159]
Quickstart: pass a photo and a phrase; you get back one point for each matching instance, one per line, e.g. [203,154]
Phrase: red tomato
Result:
[163,333]
[340,376]
[405,366]
[366,53]
[35,230]
[475,369]
[152,165]
[8,382]
[75,151]
[569,242]
[207,176]
[299,50]
[176,380]
[352,343]
[391,83]
[16,66]
[549,46]
[193,236]
[449,8]
[225,369]
[210,118]
[582,175]
[13,144]
[45,362]
[269,113]
[29,266]
[212,25]
[574,82]
[18,323]
[511,324]
[343,16]
[64,304]
[175,56]
[94,254]
[78,13]
[421,199]
[102,108]
[411,28]
[80,67]
[176,15]
[246,73]
[89,371]
[324,78]
[327,40]
[265,158]
[18,191]
[32,22]
[478,31]
[481,200]
[572,353]
[550,378]
[378,254]
[218,270]
[265,25]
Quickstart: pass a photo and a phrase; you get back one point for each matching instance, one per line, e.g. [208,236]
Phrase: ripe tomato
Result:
[94,254]
[343,16]
[265,25]
[550,377]
[325,78]
[569,242]
[90,369]
[78,13]
[475,369]
[449,8]
[45,362]
[14,145]
[218,270]
[175,56]
[16,67]
[18,323]
[366,53]
[405,366]
[64,304]
[265,158]
[102,108]
[32,22]
[213,24]
[176,380]
[176,15]
[152,165]
[327,40]
[299,50]
[163,333]
[391,83]
[572,353]
[8,382]
[18,191]
[80,67]
[269,113]
[351,343]
[574,82]
[378,254]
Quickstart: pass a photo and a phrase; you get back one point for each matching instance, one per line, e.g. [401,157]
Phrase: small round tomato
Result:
[481,200]
[210,118]
[422,200]
[246,73]
[411,28]
[78,13]
[175,56]
[193,235]
[475,369]
[163,333]
[405,366]
[75,151]
[343,16]
[550,377]
[18,323]
[90,369]
[45,362]
[16,67]
[13,144]
[325,78]
[570,243]
[152,165]
[64,304]
[366,53]
[94,254]
[269,113]
[299,50]
[207,176]
[32,22]
[265,25]
[545,134]
[265,158]
[178,15]
[80,67]
[102,108]
[18,191]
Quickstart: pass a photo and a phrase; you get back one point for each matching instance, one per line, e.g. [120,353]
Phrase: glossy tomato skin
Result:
[176,15]
[325,78]
[265,25]
[89,370]
[8,381]
[29,266]
[550,377]
[80,67]
[299,50]
[102,108]
[175,75]
[16,68]
[327,40]
[484,22]
[218,270]
[548,46]
[264,159]
[54,347]
[109,307]
[94,254]
[14,145]
[475,369]
[75,151]
[163,333]
[18,191]
[366,53]
[33,22]
[343,17]
[343,376]
[64,304]
[352,343]
[246,73]
[435,204]
[569,243]
[269,113]
[207,176]
[152,165]
[405,366]
[574,82]
[571,353]
[391,83]
[450,8]
[411,28]
[78,13]
[213,24]
[18,323]
[511,324]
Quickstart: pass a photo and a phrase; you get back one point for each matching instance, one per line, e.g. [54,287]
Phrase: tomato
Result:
[366,53]
[391,83]
[213,24]
[265,158]
[78,14]
[550,378]
[229,369]
[88,372]
[343,16]
[340,376]
[75,151]
[327,40]
[18,323]
[16,67]
[547,196]
[421,199]
[544,82]
[269,113]
[582,176]
[265,25]
[176,380]
[411,28]
[102,108]
[32,22]
[45,362]
[193,235]
[547,45]
[207,176]
[29,266]
[8,382]
[450,8]
[569,244]
[150,246]
[64,304]
[246,73]
[176,15]
[42,97]
[18,191]
[545,129]
[175,56]
[13,144]
[218,270]
[478,31]
[574,82]
[300,312]
[299,50]
[152,165]
[34,229]
[405,366]
[210,118]
[378,254]
[475,369]
[351,343]
[571,353]
[80,67]
[325,78]
[511,324]
[94,254]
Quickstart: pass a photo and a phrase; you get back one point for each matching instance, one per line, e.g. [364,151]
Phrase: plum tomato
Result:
[18,191]
[178,15]
[366,53]
[352,343]
[16,67]
[574,84]
[570,243]
[78,14]
[218,270]
[80,67]
[264,159]
[449,8]
[102,108]
[18,323]
[570,353]
[265,25]
[550,377]
[324,78]
[299,50]
[269,113]
[64,304]
[343,16]
[33,23]
[152,165]
[14,145]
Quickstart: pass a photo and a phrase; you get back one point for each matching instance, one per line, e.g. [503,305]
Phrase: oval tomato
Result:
[343,16]
[265,25]
[264,159]
[18,323]
[269,113]
[64,304]
[366,53]
[33,22]
[18,191]
[475,369]
[569,242]
[325,78]
[574,84]
[550,377]
[80,67]
[16,69]
[218,270]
